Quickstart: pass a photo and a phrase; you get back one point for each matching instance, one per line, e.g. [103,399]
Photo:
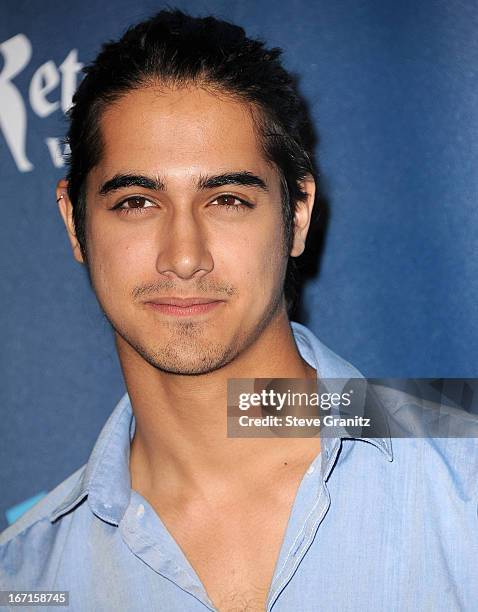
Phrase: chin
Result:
[187,367]
[187,362]
[191,370]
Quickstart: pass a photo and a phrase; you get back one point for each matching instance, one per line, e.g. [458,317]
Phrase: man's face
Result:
[204,222]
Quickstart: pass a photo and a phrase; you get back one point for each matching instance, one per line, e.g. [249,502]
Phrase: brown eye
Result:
[134,203]
[230,202]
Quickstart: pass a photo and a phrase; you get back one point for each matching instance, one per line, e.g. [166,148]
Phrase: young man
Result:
[190,188]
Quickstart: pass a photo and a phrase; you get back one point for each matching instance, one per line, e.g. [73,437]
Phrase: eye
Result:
[134,204]
[230,202]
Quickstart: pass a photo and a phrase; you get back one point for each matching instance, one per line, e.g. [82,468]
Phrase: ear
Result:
[66,211]
[303,214]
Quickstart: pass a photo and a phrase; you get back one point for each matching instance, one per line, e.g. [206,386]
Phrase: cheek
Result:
[255,262]
[118,260]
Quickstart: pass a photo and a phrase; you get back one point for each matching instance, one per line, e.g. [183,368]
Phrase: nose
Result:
[183,249]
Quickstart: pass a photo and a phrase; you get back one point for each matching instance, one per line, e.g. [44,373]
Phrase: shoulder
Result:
[43,509]
[438,443]
[28,541]
[440,473]
[418,409]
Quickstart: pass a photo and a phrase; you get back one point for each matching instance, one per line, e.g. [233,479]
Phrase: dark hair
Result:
[174,48]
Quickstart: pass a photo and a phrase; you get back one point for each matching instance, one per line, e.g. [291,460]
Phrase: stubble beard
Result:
[189,352]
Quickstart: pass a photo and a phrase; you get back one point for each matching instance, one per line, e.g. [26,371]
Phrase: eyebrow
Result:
[120,181]
[243,178]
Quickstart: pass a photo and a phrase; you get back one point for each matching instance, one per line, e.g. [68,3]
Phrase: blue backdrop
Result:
[393,89]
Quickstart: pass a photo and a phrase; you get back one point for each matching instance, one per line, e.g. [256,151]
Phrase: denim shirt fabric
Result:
[376,524]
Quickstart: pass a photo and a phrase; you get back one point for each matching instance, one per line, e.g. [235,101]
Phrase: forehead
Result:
[179,131]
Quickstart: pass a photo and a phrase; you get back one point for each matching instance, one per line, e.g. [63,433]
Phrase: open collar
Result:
[106,479]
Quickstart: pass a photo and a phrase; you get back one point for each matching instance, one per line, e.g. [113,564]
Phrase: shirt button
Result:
[140,511]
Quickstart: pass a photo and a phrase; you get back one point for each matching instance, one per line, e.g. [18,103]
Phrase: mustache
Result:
[208,288]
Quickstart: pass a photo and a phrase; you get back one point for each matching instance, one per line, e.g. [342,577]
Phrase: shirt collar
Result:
[107,480]
[329,365]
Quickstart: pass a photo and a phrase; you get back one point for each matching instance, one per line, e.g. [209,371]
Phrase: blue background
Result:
[393,90]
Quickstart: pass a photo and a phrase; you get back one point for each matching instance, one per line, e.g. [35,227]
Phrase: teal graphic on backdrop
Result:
[16,511]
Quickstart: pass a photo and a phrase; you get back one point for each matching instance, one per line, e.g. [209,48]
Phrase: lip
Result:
[177,301]
[184,306]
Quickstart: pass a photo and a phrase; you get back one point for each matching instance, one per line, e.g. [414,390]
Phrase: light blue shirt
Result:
[376,525]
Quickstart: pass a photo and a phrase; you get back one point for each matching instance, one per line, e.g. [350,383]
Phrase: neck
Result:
[181,442]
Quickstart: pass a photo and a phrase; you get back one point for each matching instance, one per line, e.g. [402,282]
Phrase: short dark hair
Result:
[174,48]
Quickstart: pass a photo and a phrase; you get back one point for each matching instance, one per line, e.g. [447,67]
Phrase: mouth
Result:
[184,307]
